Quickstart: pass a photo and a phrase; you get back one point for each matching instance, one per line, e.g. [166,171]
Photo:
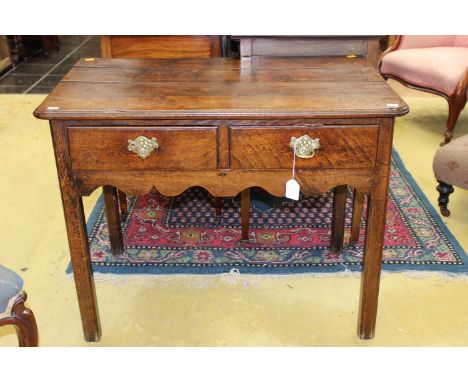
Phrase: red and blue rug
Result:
[182,234]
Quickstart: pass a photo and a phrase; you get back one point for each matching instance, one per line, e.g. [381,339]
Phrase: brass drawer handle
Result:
[142,146]
[304,146]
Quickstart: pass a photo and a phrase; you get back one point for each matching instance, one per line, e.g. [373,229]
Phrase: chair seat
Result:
[438,68]
[10,285]
[451,163]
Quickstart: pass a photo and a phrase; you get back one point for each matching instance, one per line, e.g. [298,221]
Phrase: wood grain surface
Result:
[102,148]
[200,88]
[263,148]
[160,46]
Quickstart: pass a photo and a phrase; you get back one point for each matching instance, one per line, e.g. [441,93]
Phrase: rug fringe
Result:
[444,276]
[235,277]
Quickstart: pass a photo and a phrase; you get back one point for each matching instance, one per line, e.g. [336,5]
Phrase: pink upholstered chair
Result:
[435,64]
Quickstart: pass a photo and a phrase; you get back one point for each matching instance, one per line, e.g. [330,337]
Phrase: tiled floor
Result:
[37,74]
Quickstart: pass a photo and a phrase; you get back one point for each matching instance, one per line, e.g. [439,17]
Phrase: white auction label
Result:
[292,189]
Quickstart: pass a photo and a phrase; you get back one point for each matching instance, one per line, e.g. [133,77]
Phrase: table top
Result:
[221,88]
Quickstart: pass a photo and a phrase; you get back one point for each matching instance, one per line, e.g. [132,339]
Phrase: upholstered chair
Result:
[12,309]
[451,169]
[435,64]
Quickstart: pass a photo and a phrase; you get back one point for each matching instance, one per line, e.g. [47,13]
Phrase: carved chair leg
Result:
[358,201]
[456,103]
[123,203]
[245,214]
[444,191]
[24,321]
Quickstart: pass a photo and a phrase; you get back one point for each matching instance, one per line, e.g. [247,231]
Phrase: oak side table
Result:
[226,125]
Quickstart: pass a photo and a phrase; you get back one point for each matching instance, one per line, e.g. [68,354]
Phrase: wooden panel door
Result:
[160,46]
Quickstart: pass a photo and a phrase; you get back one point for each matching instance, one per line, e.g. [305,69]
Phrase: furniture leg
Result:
[123,203]
[77,235]
[372,258]
[444,191]
[338,218]
[24,321]
[358,201]
[245,214]
[218,207]
[455,105]
[45,46]
[81,264]
[113,220]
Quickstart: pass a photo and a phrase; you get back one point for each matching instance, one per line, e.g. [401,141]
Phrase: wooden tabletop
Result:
[106,88]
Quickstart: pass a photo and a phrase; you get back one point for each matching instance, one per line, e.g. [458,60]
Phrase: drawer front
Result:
[340,147]
[106,148]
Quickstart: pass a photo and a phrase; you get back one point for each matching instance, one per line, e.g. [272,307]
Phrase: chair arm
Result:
[391,48]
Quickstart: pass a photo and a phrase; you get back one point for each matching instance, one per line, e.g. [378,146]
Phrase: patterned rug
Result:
[183,235]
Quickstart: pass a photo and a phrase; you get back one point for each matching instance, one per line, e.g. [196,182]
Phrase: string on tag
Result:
[292,186]
[294,156]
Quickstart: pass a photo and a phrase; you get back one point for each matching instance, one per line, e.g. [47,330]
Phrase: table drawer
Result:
[268,148]
[107,148]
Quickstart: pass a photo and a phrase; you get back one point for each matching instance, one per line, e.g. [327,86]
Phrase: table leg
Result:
[245,213]
[218,202]
[358,201]
[113,220]
[372,259]
[338,218]
[77,236]
[82,271]
[123,203]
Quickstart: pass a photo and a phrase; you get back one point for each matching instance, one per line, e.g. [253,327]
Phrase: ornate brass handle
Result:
[304,146]
[142,146]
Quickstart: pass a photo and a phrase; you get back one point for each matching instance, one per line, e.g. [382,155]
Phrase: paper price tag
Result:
[292,189]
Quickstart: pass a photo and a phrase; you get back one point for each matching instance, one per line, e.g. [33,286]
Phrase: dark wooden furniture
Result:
[456,100]
[369,47]
[160,46]
[12,309]
[49,43]
[25,46]
[225,127]
[17,49]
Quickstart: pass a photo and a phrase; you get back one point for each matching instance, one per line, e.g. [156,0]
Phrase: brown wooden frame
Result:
[24,321]
[456,101]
